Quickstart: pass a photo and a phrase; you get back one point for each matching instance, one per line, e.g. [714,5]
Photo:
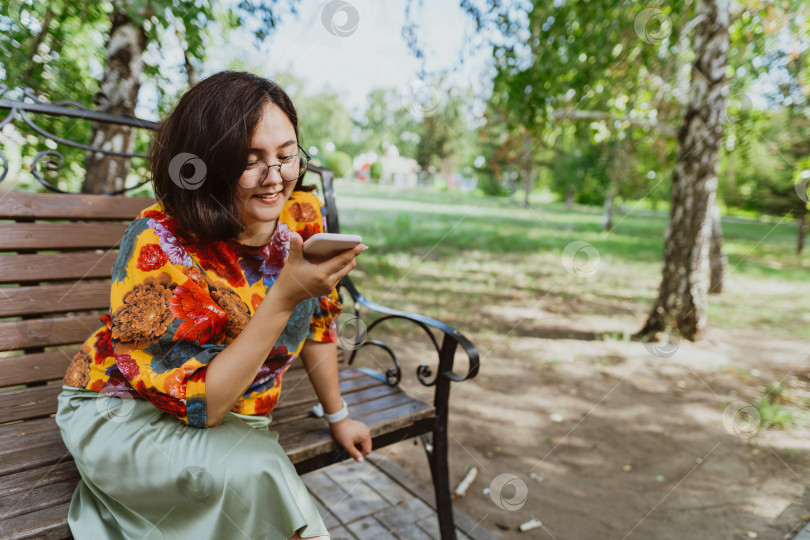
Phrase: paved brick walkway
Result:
[378,500]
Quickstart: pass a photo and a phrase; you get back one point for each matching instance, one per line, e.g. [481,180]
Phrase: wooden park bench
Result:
[56,255]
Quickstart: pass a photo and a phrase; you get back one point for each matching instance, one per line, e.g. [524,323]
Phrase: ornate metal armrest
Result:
[446,350]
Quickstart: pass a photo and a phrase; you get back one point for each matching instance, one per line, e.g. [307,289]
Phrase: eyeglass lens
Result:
[290,170]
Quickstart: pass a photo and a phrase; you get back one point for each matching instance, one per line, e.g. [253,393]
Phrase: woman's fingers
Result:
[340,265]
[366,444]
[342,259]
[343,272]
[296,247]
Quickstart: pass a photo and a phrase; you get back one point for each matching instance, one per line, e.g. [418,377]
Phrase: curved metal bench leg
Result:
[441,482]
[437,455]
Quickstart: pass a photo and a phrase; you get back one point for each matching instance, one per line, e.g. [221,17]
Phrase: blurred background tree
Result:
[584,101]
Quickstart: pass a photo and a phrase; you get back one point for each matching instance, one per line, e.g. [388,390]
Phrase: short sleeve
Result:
[164,321]
[323,326]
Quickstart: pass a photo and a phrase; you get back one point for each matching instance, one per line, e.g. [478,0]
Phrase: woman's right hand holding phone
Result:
[301,279]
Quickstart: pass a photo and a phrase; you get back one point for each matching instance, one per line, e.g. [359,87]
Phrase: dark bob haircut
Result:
[201,149]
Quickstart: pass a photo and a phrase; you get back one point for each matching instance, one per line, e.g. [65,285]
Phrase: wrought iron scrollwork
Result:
[424,373]
[49,164]
[52,160]
[393,375]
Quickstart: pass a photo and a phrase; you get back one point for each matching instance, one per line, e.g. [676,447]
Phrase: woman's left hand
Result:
[349,433]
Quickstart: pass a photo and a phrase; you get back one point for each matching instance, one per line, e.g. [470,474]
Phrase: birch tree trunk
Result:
[119,92]
[683,296]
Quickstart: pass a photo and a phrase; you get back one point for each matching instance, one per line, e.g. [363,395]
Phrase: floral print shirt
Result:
[177,301]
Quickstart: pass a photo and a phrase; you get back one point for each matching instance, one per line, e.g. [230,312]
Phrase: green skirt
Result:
[147,475]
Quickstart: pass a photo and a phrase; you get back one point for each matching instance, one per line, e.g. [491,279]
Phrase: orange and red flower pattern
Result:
[177,300]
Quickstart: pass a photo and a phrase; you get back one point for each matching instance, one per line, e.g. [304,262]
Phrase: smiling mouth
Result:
[268,197]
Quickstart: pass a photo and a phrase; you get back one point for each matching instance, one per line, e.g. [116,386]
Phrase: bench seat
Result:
[37,474]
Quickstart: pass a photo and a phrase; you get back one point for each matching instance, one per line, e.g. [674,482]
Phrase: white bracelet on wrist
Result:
[317,410]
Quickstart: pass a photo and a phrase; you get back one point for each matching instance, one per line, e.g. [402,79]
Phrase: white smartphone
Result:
[325,245]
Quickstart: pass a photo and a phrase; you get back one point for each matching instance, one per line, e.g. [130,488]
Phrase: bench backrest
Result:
[56,253]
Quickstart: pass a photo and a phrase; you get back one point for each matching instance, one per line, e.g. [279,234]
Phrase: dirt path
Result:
[612,441]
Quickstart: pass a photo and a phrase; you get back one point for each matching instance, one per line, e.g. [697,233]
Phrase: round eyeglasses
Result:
[290,168]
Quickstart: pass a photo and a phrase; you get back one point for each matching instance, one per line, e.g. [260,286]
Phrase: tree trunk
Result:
[683,296]
[717,259]
[802,232]
[119,94]
[527,168]
[607,223]
[28,77]
[569,197]
[191,73]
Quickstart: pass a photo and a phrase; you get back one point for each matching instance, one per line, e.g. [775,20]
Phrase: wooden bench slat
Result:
[350,380]
[296,374]
[44,455]
[46,332]
[20,429]
[76,296]
[312,424]
[46,524]
[23,481]
[37,367]
[283,415]
[314,441]
[28,402]
[31,440]
[56,266]
[37,498]
[55,206]
[59,236]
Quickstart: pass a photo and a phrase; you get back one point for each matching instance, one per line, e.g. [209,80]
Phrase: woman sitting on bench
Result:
[166,406]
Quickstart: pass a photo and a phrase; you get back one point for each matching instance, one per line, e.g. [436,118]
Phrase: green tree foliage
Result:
[324,120]
[339,163]
[619,72]
[57,49]
[442,135]
[376,171]
[388,120]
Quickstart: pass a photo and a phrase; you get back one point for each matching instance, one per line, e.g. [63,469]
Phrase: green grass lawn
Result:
[448,254]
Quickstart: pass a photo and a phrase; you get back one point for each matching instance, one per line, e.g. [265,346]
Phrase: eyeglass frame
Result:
[305,155]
